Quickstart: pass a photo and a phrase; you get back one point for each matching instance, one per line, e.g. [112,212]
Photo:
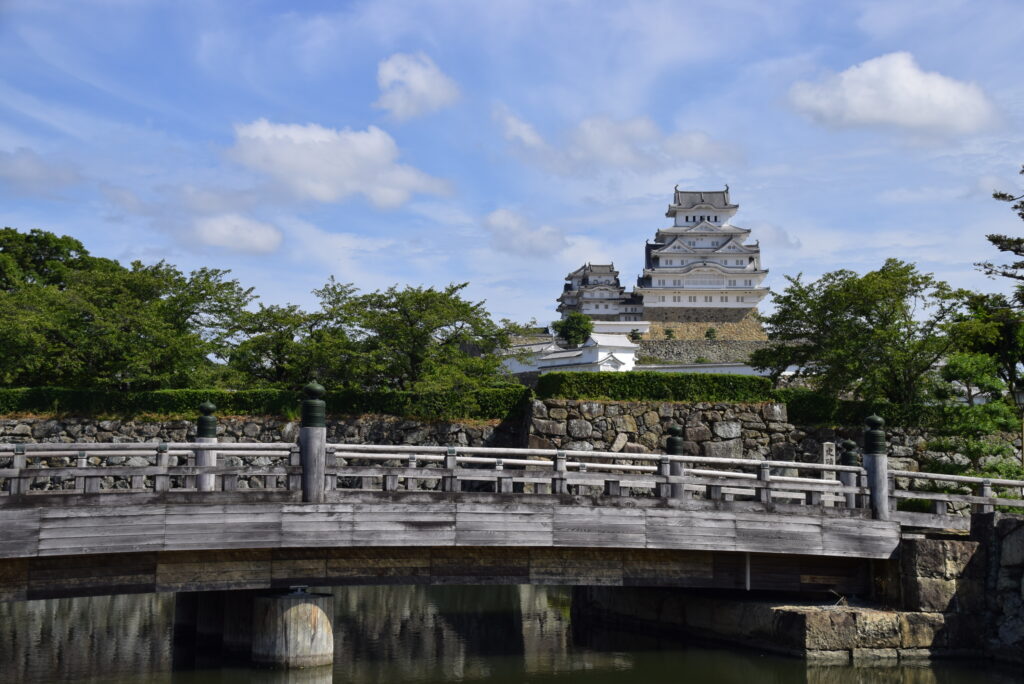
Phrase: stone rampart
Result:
[698,351]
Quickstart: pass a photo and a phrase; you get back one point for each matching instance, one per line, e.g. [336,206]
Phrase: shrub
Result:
[652,385]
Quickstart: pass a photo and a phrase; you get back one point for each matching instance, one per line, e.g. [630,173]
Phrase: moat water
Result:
[422,635]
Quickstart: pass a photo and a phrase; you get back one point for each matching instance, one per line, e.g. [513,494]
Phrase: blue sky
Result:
[506,143]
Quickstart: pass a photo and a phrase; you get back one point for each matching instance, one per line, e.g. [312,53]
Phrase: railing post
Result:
[19,484]
[412,482]
[313,443]
[984,489]
[206,433]
[764,477]
[664,488]
[450,482]
[162,483]
[503,485]
[674,447]
[849,479]
[876,462]
[558,482]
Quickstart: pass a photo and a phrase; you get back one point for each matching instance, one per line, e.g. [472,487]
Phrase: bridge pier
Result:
[293,630]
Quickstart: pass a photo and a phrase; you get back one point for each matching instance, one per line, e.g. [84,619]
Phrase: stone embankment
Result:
[720,430]
[944,597]
[758,431]
[698,351]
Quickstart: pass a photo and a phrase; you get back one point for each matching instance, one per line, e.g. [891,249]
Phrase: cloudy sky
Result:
[505,143]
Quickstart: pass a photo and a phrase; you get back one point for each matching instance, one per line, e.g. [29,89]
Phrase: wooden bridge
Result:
[77,518]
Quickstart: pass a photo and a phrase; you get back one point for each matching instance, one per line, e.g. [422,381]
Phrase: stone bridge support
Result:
[284,630]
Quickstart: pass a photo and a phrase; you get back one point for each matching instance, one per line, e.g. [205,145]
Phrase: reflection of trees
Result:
[71,639]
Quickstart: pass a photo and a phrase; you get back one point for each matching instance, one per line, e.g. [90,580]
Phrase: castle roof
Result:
[687,200]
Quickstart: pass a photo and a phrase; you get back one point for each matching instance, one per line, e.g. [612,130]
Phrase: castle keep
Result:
[700,269]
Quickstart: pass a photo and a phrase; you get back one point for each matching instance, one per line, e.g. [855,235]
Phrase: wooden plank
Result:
[590,526]
[207,571]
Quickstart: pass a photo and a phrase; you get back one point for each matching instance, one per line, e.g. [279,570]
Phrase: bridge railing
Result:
[312,470]
[46,469]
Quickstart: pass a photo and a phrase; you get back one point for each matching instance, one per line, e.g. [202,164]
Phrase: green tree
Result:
[69,319]
[574,328]
[971,378]
[1006,243]
[421,338]
[878,336]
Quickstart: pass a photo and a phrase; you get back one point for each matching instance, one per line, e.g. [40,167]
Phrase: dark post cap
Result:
[874,436]
[875,422]
[314,390]
[314,408]
[675,431]
[206,426]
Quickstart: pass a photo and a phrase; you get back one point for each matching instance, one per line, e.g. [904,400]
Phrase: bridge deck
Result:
[133,523]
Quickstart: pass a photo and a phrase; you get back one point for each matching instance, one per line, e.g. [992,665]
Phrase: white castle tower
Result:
[700,269]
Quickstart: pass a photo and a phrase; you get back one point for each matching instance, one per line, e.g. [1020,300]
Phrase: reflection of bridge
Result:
[80,519]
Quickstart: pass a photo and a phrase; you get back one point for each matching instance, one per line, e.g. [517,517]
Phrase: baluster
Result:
[558,482]
[81,462]
[984,489]
[612,488]
[503,484]
[332,477]
[674,447]
[764,477]
[450,482]
[713,492]
[663,487]
[294,460]
[863,500]
[849,478]
[19,484]
[411,483]
[137,481]
[812,498]
[162,483]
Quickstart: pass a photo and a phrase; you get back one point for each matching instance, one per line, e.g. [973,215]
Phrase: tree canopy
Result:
[73,320]
[574,328]
[876,336]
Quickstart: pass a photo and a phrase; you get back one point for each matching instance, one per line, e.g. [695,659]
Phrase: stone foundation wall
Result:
[746,327]
[352,430]
[682,314]
[721,430]
[689,351]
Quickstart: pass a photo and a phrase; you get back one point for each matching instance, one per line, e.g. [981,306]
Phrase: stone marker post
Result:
[674,447]
[849,458]
[206,433]
[313,443]
[876,462]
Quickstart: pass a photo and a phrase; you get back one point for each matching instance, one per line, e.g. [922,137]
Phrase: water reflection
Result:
[416,634]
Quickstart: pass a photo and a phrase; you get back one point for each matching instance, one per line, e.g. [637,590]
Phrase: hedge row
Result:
[483,404]
[655,386]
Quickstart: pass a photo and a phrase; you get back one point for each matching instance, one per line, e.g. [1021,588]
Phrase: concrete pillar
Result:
[293,630]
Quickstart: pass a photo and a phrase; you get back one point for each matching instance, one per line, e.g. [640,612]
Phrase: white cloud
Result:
[601,145]
[516,130]
[28,172]
[512,233]
[412,85]
[330,165]
[238,233]
[894,90]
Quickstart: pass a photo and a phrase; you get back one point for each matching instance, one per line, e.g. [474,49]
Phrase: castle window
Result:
[732,283]
[677,283]
[661,283]
[676,298]
[661,298]
[723,299]
[739,262]
[692,298]
[741,299]
[708,298]
[748,283]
